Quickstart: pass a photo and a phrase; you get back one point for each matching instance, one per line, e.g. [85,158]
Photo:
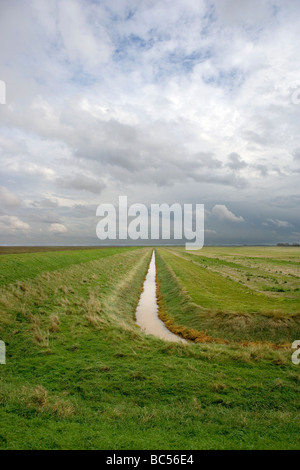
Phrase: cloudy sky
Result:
[160,100]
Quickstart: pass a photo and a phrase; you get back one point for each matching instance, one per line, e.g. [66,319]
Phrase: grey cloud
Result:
[40,216]
[45,203]
[81,183]
[236,162]
[81,211]
[261,138]
[296,154]
[208,160]
[149,153]
[234,12]
[221,178]
[263,169]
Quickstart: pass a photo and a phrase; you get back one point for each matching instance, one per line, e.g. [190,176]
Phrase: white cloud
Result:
[223,213]
[28,168]
[12,224]
[84,38]
[279,223]
[57,228]
[8,199]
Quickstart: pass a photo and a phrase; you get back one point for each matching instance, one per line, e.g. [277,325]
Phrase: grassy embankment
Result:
[230,295]
[80,374]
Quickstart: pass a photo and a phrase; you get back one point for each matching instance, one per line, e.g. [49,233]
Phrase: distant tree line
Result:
[288,244]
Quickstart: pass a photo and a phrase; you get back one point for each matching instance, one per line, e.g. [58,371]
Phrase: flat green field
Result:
[81,375]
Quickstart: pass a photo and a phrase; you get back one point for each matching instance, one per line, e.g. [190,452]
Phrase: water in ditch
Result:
[147,309]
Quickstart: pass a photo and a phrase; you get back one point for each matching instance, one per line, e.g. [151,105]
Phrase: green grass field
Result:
[81,375]
[241,294]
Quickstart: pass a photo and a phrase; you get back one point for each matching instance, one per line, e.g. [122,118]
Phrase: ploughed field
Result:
[80,374]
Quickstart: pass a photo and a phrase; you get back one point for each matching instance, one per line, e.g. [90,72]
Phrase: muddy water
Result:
[147,309]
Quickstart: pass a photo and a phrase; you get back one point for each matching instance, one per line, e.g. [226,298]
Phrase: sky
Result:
[165,101]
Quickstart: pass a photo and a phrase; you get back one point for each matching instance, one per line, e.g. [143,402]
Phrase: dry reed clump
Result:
[92,309]
[23,310]
[34,319]
[279,323]
[5,319]
[5,299]
[38,396]
[46,275]
[22,286]
[40,399]
[69,307]
[63,302]
[5,307]
[54,323]
[62,408]
[219,387]
[66,289]
[40,335]
[26,291]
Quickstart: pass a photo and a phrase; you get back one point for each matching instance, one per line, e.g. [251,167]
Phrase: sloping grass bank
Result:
[29,265]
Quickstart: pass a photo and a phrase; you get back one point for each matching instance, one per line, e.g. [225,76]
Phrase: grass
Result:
[8,250]
[206,295]
[81,375]
[19,267]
